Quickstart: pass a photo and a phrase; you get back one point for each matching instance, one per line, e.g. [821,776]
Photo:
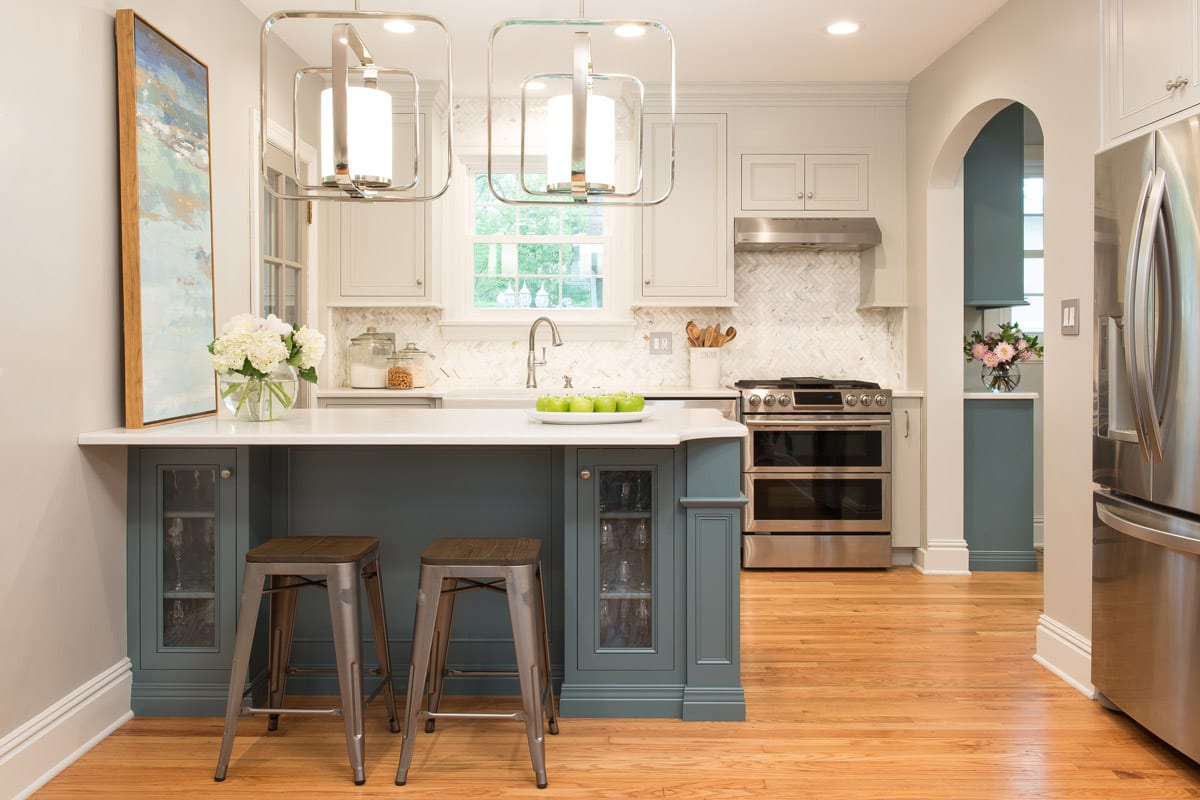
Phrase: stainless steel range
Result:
[817,473]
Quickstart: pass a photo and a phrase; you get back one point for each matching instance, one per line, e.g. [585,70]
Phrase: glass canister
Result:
[414,358]
[369,354]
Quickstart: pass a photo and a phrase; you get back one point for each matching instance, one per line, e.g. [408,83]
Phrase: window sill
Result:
[506,331]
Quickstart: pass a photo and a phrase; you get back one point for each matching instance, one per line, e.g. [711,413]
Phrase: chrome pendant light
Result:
[356,112]
[581,130]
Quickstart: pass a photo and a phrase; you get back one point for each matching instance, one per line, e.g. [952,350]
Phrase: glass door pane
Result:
[626,559]
[187,577]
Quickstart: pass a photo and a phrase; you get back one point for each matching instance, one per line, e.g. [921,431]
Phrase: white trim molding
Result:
[1065,653]
[944,557]
[32,754]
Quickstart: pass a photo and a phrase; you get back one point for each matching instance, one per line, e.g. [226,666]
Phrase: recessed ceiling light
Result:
[399,26]
[630,31]
[842,28]
[535,86]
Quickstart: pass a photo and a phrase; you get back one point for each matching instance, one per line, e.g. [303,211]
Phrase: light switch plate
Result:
[1070,317]
[660,344]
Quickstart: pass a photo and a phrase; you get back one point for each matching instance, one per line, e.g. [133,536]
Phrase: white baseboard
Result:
[50,742]
[1065,653]
[947,557]
[1039,532]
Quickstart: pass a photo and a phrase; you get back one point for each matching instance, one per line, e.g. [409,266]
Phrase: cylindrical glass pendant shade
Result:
[601,141]
[368,135]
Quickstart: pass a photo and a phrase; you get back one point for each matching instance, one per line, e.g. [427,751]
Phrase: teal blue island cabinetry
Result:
[998,481]
[640,526]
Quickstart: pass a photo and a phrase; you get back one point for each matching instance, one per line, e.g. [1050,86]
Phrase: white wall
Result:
[63,535]
[1046,56]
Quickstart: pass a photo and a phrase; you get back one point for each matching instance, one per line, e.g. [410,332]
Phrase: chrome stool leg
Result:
[347,645]
[521,600]
[441,646]
[383,656]
[428,596]
[547,681]
[282,620]
[251,595]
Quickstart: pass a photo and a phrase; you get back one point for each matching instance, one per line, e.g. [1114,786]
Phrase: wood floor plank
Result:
[880,685]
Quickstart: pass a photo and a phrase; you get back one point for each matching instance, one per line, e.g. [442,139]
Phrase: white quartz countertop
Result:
[520,391]
[1000,395]
[422,426]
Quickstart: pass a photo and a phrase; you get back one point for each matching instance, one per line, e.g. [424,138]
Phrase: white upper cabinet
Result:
[811,182]
[1151,49]
[687,256]
[379,253]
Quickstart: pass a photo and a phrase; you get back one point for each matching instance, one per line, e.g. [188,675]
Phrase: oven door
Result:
[789,443]
[818,502]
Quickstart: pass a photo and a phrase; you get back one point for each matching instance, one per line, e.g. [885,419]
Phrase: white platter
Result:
[585,418]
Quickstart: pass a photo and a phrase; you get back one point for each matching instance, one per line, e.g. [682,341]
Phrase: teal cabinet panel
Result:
[189,529]
[998,485]
[993,224]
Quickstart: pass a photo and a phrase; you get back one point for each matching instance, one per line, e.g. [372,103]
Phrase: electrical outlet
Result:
[660,344]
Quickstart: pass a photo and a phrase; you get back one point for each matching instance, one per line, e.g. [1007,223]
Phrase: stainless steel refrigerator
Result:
[1146,442]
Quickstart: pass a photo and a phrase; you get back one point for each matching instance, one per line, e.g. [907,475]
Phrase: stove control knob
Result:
[851,400]
[881,400]
[785,400]
[769,400]
[865,400]
[753,400]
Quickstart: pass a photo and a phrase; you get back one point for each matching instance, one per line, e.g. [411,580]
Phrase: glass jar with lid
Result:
[413,358]
[369,354]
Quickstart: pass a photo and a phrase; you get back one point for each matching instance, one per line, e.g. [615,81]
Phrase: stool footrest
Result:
[314,712]
[467,673]
[518,715]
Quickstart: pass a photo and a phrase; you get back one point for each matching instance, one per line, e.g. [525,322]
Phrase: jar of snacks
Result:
[400,372]
[414,357]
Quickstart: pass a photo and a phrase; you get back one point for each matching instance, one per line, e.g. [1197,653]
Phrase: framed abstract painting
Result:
[166,226]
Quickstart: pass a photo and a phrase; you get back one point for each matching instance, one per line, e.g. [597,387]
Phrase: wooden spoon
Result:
[693,333]
[710,336]
[729,334]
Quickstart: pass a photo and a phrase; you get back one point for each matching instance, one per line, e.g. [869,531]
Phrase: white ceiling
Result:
[717,40]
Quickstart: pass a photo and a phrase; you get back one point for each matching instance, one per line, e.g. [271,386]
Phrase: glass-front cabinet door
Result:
[187,565]
[627,546]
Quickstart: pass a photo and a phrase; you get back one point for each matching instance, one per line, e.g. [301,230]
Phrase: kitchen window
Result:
[284,242]
[535,258]
[1032,317]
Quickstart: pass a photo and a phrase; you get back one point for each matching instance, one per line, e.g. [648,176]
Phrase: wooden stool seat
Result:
[342,565]
[477,551]
[510,566]
[313,550]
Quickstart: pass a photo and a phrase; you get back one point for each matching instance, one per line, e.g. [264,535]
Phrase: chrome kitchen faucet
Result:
[533,362]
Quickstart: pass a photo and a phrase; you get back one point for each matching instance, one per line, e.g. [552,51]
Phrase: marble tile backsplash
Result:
[797,315]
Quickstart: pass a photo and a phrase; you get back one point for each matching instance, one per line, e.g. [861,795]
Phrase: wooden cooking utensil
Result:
[710,336]
[693,334]
[730,332]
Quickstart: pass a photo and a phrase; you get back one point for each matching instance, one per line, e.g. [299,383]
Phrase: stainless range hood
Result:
[765,234]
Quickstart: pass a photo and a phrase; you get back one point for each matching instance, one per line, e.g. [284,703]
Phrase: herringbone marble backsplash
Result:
[797,315]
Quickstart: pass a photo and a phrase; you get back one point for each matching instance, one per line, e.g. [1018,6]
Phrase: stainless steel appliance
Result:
[1146,522]
[817,473]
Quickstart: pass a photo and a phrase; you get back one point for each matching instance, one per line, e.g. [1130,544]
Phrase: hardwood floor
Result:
[888,685]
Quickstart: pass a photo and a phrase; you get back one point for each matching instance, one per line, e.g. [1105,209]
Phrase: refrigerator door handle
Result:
[1152,230]
[1132,285]
[1166,539]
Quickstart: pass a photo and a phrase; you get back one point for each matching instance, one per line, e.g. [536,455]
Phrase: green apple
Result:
[540,405]
[632,402]
[605,403]
[556,403]
[582,402]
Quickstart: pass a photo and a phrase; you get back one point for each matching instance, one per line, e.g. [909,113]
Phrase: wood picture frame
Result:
[166,226]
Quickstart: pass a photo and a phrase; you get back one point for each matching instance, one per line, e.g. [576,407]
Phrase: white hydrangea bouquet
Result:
[259,362]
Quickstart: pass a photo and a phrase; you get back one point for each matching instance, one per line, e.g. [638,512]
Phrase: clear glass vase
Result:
[260,399]
[1004,378]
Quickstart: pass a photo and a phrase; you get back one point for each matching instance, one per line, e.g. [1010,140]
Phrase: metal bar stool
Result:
[337,562]
[511,566]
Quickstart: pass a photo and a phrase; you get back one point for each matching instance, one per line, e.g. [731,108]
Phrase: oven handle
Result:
[876,422]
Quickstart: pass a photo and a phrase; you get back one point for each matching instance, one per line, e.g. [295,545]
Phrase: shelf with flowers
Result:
[260,362]
[1000,353]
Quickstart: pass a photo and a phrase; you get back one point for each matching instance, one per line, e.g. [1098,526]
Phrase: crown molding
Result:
[826,94]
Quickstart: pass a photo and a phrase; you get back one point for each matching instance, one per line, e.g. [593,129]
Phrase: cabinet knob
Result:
[585,474]
[810,195]
[420,282]
[226,474]
[1177,83]
[647,281]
